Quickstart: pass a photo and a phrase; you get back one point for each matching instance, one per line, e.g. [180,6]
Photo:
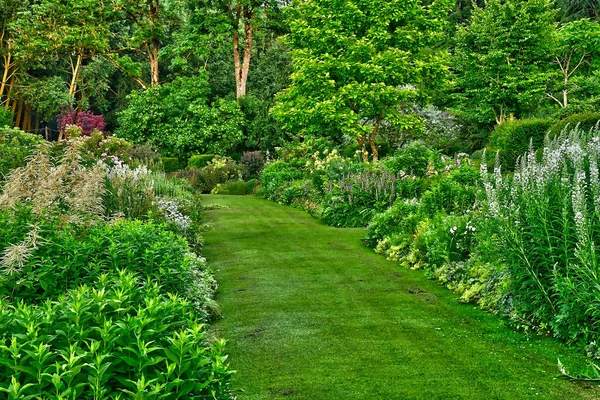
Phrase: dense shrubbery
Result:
[512,139]
[584,122]
[120,336]
[126,296]
[15,146]
[199,161]
[179,119]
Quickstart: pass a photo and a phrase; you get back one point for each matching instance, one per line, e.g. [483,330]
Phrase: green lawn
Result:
[311,313]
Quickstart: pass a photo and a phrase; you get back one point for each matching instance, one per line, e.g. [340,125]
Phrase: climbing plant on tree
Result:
[358,63]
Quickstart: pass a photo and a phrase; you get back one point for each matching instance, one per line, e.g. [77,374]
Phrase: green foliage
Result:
[199,160]
[276,176]
[512,139]
[237,188]
[446,239]
[15,147]
[399,220]
[129,192]
[62,258]
[170,164]
[218,171]
[355,63]
[179,119]
[6,117]
[503,59]
[584,122]
[412,160]
[119,336]
[449,197]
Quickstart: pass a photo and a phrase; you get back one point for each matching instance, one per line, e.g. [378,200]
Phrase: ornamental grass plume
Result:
[66,189]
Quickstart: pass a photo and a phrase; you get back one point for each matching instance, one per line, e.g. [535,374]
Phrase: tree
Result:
[242,20]
[178,118]
[578,45]
[357,62]
[502,59]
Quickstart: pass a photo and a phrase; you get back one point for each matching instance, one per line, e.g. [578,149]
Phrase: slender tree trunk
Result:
[242,63]
[37,121]
[10,87]
[153,46]
[5,74]
[249,32]
[27,118]
[372,136]
[154,78]
[363,148]
[74,76]
[19,114]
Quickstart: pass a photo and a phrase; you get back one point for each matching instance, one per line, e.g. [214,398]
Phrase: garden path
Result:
[311,313]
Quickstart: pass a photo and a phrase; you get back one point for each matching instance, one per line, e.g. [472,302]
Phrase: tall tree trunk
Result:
[27,118]
[242,65]
[19,114]
[372,136]
[5,74]
[153,46]
[249,32]
[37,122]
[153,54]
[74,76]
[10,87]
[363,148]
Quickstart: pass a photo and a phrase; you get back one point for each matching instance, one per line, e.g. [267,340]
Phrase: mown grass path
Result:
[311,313]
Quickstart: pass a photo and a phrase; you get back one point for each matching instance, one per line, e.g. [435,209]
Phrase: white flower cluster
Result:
[173,215]
[121,171]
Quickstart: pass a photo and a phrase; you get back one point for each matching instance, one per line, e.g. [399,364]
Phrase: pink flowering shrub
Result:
[86,120]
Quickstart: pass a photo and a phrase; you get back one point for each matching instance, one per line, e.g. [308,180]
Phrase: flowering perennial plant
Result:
[547,223]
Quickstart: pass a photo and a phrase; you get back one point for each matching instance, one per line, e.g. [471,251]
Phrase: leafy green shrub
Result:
[238,188]
[142,155]
[414,159]
[171,164]
[512,139]
[400,219]
[48,260]
[121,336]
[447,239]
[354,200]
[253,162]
[218,171]
[276,176]
[180,118]
[15,147]
[585,121]
[448,196]
[199,161]
[6,117]
[466,175]
[98,146]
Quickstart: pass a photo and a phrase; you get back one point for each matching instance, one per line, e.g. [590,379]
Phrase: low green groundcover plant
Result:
[120,337]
